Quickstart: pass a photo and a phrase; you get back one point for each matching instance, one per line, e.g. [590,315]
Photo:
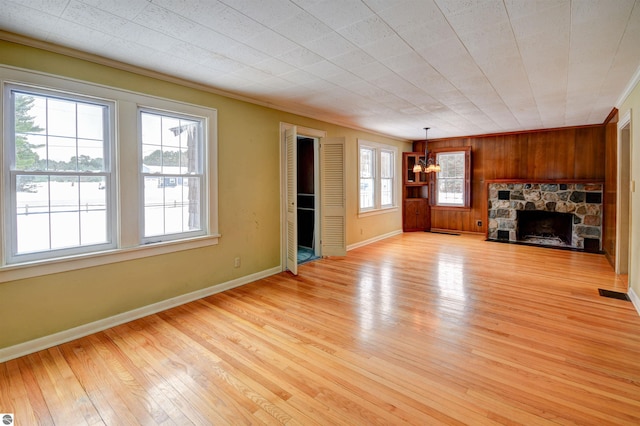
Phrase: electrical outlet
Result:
[479,223]
[236,262]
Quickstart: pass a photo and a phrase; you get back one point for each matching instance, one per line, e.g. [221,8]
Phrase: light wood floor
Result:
[417,329]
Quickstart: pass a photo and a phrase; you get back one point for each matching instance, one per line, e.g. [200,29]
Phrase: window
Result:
[367,178]
[453,181]
[173,178]
[386,178]
[377,176]
[75,188]
[60,182]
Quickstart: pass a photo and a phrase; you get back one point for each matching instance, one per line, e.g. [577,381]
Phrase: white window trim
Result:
[464,189]
[378,208]
[126,160]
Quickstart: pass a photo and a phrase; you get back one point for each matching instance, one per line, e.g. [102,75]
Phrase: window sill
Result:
[367,213]
[454,208]
[64,264]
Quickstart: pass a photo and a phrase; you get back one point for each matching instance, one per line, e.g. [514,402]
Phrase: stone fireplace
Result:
[546,213]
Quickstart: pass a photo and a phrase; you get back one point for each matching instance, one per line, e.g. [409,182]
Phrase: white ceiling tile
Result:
[27,21]
[372,71]
[273,66]
[271,43]
[51,7]
[82,38]
[302,28]
[231,23]
[300,57]
[324,69]
[386,47]
[143,36]
[353,60]
[336,13]
[330,45]
[367,31]
[93,17]
[268,12]
[125,9]
[165,21]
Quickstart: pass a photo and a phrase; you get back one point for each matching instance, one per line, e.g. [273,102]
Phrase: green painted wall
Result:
[249,211]
[632,103]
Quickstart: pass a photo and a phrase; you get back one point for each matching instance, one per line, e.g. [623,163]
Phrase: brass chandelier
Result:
[428,165]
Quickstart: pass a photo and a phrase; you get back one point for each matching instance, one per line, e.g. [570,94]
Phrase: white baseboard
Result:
[373,240]
[634,299]
[65,336]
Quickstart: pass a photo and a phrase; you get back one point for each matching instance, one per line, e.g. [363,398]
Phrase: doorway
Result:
[327,238]
[307,208]
[623,207]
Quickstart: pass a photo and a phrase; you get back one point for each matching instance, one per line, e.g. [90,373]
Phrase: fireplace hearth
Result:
[566,214]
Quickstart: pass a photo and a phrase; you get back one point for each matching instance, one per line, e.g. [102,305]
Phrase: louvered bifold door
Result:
[332,197]
[292,200]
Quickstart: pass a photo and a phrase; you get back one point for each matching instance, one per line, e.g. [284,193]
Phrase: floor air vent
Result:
[613,294]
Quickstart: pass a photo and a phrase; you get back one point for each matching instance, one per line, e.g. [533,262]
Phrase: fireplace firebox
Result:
[543,227]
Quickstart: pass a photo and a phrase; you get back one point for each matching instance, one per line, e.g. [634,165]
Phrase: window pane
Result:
[193,208]
[55,212]
[64,204]
[366,193]
[61,154]
[90,121]
[153,206]
[386,164]
[46,130]
[151,129]
[32,213]
[366,163]
[62,234]
[170,145]
[386,192]
[171,205]
[93,210]
[90,153]
[61,118]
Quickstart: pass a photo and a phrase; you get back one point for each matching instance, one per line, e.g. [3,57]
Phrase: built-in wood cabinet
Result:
[416,213]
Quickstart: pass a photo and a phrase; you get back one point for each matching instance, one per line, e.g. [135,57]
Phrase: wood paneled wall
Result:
[567,153]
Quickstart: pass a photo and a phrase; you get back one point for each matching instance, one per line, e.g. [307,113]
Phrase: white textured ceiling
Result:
[461,67]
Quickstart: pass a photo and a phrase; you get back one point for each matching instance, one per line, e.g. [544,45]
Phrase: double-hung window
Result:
[452,188]
[76,188]
[172,174]
[376,165]
[58,174]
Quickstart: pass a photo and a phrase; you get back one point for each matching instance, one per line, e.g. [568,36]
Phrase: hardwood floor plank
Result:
[84,359]
[20,396]
[55,391]
[417,329]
